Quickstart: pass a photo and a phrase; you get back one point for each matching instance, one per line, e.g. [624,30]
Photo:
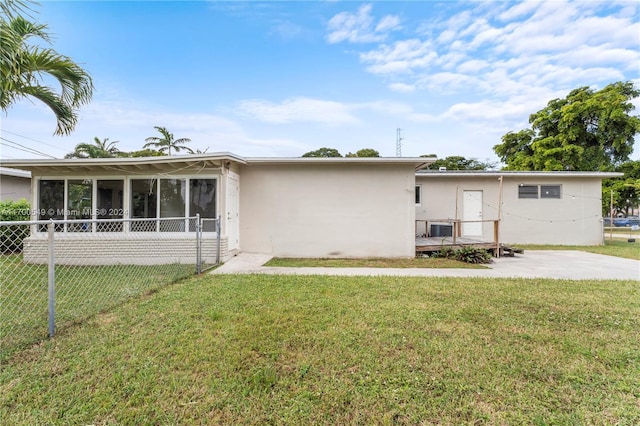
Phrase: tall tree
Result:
[626,189]
[457,162]
[24,68]
[167,142]
[98,149]
[587,130]
[364,152]
[323,152]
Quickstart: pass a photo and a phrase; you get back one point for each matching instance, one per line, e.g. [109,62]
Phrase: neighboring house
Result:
[535,207]
[14,184]
[294,207]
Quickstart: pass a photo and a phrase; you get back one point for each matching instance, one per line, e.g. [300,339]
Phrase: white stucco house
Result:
[290,207]
[562,208]
[15,184]
[301,207]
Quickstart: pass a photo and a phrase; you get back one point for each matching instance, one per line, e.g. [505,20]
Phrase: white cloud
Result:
[298,110]
[403,56]
[359,27]
[387,23]
[402,87]
[504,50]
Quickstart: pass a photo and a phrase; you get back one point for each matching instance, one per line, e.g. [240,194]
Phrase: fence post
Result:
[218,240]
[52,279]
[198,245]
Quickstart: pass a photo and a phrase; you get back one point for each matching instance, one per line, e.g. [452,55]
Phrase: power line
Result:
[21,147]
[31,139]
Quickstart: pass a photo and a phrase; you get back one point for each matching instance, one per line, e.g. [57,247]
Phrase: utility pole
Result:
[398,142]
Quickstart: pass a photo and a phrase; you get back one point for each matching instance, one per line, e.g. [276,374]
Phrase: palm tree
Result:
[98,149]
[166,143]
[22,68]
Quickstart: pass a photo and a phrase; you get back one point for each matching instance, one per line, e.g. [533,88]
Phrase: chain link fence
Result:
[56,273]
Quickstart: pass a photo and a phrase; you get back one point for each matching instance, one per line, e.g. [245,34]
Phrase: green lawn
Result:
[262,349]
[80,291]
[620,248]
[419,262]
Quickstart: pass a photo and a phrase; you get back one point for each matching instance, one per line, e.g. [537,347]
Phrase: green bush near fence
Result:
[11,237]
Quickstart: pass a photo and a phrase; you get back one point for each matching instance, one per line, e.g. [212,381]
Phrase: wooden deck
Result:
[425,244]
[429,244]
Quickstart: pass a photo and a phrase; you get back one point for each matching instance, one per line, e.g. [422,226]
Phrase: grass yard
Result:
[418,262]
[620,248]
[81,291]
[262,349]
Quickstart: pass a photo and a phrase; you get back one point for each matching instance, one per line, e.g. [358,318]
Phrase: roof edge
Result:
[512,173]
[6,171]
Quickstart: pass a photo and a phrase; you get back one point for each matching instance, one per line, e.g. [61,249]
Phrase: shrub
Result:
[444,253]
[11,236]
[472,255]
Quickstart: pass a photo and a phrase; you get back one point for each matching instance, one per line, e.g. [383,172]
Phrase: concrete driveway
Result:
[561,264]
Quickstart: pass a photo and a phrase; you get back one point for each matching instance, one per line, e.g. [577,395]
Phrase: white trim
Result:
[507,174]
[5,171]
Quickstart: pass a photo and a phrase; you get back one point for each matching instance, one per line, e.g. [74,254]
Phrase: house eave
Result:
[417,162]
[518,174]
[163,164]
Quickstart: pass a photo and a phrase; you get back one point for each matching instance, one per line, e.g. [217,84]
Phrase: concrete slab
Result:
[560,264]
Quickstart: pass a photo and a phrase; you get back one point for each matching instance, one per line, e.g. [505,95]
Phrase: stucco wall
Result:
[327,210]
[574,219]
[14,188]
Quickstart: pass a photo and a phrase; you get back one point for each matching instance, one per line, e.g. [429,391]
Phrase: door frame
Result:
[232,210]
[474,229]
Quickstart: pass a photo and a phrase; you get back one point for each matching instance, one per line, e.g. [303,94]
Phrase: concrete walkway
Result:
[561,264]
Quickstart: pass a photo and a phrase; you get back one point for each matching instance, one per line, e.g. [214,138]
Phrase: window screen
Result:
[528,191]
[550,191]
[418,194]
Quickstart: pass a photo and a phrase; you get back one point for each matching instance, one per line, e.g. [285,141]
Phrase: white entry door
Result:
[233,207]
[472,210]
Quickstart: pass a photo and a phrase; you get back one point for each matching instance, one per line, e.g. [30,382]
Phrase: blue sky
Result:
[283,78]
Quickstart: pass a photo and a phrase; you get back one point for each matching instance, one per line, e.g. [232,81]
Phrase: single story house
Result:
[298,207]
[532,207]
[15,184]
[289,207]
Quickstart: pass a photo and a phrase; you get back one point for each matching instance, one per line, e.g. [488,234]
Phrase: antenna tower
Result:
[398,142]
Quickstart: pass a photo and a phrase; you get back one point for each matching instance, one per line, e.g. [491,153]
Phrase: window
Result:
[528,191]
[144,203]
[172,198]
[418,194]
[202,201]
[539,191]
[79,204]
[172,204]
[51,202]
[550,191]
[109,204]
[83,200]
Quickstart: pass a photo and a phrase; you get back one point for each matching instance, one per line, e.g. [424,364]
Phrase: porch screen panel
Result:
[203,202]
[109,204]
[51,202]
[172,204]
[79,204]
[144,204]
